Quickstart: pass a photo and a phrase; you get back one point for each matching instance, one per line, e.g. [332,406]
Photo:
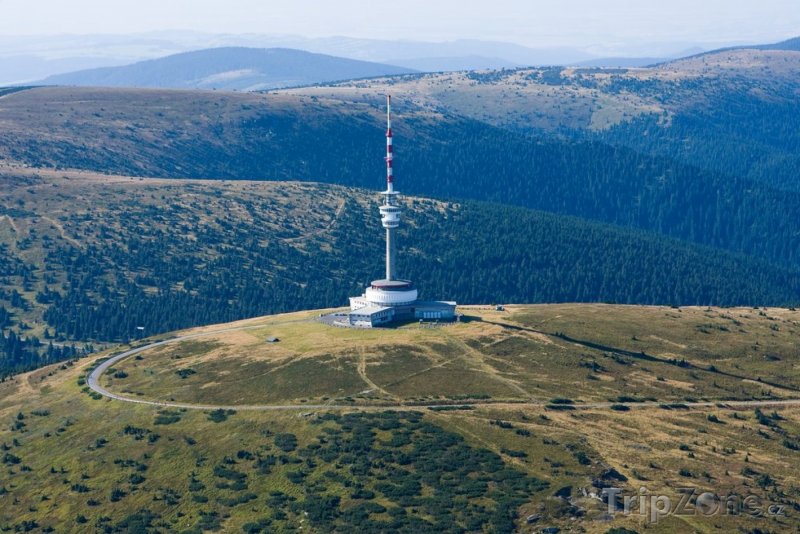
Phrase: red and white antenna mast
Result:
[390,211]
[389,154]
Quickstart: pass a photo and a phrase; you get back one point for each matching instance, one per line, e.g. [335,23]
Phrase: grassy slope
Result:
[649,445]
[158,132]
[527,354]
[573,99]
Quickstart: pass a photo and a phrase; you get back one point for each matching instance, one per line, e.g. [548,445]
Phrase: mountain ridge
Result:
[229,68]
[792,44]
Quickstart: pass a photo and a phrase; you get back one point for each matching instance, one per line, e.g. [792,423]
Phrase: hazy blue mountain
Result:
[49,55]
[230,68]
[622,62]
[792,45]
[461,48]
[24,69]
[789,44]
[455,63]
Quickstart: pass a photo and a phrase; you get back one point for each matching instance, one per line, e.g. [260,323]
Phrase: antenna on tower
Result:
[390,211]
[389,153]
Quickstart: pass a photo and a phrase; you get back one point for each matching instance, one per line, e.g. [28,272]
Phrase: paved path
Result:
[94,376]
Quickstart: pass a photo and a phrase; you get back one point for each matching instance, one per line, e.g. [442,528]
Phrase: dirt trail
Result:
[324,229]
[480,359]
[62,232]
[12,223]
[362,372]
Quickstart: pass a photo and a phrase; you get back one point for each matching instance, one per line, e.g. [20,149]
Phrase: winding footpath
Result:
[93,381]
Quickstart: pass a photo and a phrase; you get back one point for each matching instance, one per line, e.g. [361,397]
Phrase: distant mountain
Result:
[230,68]
[375,50]
[789,44]
[25,59]
[622,62]
[20,70]
[455,63]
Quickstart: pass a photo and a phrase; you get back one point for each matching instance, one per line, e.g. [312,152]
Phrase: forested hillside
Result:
[730,111]
[741,126]
[113,259]
[282,137]
[686,171]
[20,353]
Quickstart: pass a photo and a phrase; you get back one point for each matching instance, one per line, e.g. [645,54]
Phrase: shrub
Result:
[230,474]
[257,527]
[582,458]
[286,442]
[296,477]
[10,459]
[167,417]
[185,373]
[244,455]
[220,415]
[764,481]
[513,453]
[559,407]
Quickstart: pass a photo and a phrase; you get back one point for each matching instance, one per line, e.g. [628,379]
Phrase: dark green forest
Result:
[19,354]
[736,132]
[473,253]
[444,157]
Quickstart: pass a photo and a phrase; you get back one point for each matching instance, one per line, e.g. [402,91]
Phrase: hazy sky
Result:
[530,22]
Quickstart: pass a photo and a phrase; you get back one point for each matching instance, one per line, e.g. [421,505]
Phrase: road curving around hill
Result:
[93,381]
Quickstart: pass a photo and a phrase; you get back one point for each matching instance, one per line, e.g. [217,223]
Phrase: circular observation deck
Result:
[392,285]
[391,293]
